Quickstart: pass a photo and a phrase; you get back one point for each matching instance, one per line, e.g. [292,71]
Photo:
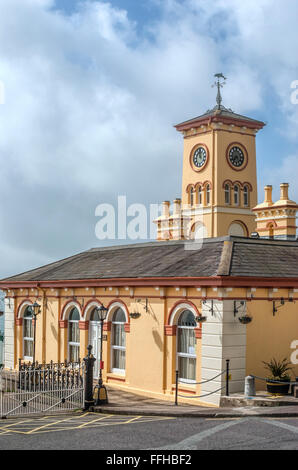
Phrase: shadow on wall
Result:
[157,339]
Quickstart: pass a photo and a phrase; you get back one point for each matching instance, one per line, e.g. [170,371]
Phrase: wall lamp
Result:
[146,304]
[241,303]
[211,309]
[276,307]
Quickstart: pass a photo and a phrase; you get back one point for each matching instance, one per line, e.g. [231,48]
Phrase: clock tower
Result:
[219,181]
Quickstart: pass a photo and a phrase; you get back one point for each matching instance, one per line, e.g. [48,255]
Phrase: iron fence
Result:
[41,388]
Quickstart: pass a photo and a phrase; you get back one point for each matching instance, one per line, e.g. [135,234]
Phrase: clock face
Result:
[200,157]
[236,156]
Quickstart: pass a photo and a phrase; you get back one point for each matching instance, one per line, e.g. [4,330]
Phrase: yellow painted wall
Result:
[151,355]
[270,336]
[218,138]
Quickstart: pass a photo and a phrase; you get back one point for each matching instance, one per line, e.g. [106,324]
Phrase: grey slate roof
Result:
[226,256]
[223,112]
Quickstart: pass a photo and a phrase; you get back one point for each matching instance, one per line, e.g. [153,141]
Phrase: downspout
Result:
[44,318]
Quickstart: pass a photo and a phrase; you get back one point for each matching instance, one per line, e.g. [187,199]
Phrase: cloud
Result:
[90,101]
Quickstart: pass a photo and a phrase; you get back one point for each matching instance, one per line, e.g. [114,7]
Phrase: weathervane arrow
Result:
[219,85]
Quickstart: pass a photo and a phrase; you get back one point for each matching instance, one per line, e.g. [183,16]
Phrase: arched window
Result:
[236,195]
[94,315]
[200,195]
[227,194]
[208,194]
[186,346]
[74,336]
[271,231]
[94,339]
[191,196]
[28,335]
[118,342]
[245,196]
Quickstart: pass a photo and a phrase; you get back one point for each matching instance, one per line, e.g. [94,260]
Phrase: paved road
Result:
[109,432]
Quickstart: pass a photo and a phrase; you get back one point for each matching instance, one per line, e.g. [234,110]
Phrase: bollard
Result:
[250,386]
[89,364]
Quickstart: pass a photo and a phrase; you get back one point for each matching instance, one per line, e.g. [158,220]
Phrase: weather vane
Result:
[219,85]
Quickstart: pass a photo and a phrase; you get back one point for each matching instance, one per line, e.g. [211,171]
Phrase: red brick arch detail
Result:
[189,187]
[118,301]
[70,301]
[238,183]
[88,303]
[182,301]
[246,183]
[241,223]
[206,183]
[229,182]
[22,304]
[197,185]
[271,222]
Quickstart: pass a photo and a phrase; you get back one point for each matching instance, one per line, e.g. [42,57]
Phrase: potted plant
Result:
[279,380]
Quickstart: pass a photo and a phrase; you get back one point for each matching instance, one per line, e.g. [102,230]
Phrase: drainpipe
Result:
[44,317]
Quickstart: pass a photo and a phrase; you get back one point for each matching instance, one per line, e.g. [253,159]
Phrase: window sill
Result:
[116,377]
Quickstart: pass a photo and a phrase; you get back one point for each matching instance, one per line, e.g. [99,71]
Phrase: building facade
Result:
[153,325]
[173,305]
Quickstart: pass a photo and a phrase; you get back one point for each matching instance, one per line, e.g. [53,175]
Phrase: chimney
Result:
[268,194]
[284,191]
[177,207]
[166,209]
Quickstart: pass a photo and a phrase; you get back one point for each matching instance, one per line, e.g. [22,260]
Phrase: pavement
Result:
[263,405]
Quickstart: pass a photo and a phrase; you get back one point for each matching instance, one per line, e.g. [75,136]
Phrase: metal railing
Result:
[41,388]
[226,386]
[35,376]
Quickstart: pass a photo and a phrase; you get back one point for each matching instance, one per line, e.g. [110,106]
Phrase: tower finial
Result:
[219,85]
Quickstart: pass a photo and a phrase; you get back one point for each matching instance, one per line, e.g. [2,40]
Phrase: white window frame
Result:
[187,355]
[236,195]
[227,194]
[119,348]
[200,195]
[208,195]
[72,343]
[27,338]
[245,195]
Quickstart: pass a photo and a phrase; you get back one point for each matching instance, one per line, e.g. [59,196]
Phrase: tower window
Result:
[227,194]
[208,194]
[236,195]
[245,196]
[191,196]
[200,199]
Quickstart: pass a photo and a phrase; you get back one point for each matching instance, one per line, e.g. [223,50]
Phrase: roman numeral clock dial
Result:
[199,158]
[236,156]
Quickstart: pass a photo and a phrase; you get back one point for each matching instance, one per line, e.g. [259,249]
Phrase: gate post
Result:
[89,365]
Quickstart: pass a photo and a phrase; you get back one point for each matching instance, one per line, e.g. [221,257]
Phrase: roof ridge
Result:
[224,266]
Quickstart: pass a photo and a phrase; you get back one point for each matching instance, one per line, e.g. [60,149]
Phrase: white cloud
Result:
[90,104]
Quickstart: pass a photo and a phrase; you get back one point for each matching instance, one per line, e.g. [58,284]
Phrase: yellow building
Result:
[159,293]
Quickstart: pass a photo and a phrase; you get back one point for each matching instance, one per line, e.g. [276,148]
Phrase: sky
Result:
[92,90]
